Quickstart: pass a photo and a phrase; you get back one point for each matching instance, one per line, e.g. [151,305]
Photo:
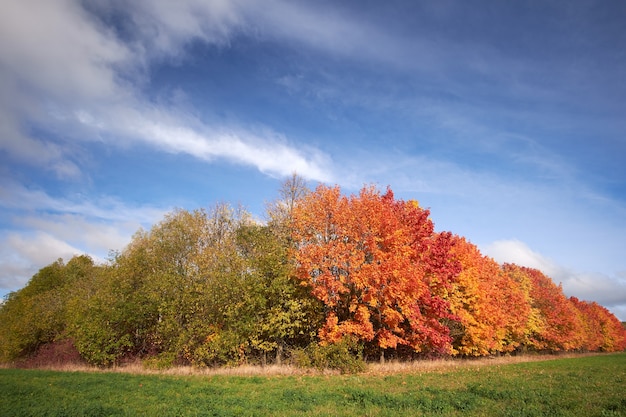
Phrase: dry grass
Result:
[584,386]
[138,368]
[242,370]
[390,367]
[448,364]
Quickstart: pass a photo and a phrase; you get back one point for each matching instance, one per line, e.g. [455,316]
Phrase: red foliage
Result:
[601,329]
[378,267]
[557,325]
[386,278]
[54,354]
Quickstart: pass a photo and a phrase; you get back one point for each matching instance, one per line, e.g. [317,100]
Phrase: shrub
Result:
[345,356]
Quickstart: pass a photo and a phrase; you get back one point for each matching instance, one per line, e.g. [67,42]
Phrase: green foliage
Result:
[110,315]
[213,287]
[38,313]
[286,313]
[202,288]
[345,356]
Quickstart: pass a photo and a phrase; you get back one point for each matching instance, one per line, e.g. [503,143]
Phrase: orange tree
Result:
[557,324]
[490,306]
[378,267]
[602,330]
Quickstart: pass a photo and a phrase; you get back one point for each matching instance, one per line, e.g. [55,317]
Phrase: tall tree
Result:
[602,331]
[556,324]
[490,306]
[286,314]
[378,267]
[280,212]
[38,313]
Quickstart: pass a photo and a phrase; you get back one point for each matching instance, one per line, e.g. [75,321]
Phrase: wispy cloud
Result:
[22,255]
[23,200]
[268,151]
[89,70]
[515,251]
[72,76]
[39,228]
[479,124]
[109,65]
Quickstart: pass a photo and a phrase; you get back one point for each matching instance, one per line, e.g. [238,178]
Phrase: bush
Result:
[345,356]
[57,353]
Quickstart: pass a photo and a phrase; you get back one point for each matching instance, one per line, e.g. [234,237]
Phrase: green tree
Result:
[108,313]
[38,313]
[286,313]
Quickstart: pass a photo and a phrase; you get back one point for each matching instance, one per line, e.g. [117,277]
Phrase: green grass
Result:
[585,386]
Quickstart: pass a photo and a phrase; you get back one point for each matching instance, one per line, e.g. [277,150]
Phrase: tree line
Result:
[327,277]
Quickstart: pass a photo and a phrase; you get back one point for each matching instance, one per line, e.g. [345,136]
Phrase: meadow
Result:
[574,386]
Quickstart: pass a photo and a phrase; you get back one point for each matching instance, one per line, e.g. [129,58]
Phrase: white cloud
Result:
[69,74]
[56,48]
[24,200]
[21,255]
[517,252]
[165,27]
[43,228]
[605,289]
[51,56]
[65,73]
[619,311]
[92,235]
[266,150]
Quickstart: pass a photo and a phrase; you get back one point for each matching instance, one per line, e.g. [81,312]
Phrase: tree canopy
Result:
[366,273]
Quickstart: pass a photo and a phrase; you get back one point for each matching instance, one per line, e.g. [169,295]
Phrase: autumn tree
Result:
[555,324]
[111,316]
[37,314]
[211,287]
[201,287]
[286,314]
[291,192]
[601,329]
[161,295]
[491,309]
[377,266]
[205,302]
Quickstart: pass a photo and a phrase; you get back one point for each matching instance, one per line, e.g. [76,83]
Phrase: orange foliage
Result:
[387,279]
[555,323]
[378,267]
[602,330]
[491,306]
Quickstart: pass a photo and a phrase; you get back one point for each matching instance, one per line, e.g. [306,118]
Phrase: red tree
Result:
[557,325]
[378,267]
[602,330]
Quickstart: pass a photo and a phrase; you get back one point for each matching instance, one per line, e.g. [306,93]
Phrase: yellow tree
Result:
[555,323]
[491,308]
[601,329]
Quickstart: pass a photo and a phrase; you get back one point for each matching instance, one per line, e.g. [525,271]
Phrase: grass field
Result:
[583,386]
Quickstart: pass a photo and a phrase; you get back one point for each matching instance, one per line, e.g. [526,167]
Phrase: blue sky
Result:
[506,119]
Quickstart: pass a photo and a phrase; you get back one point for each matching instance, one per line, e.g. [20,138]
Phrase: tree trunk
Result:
[279,354]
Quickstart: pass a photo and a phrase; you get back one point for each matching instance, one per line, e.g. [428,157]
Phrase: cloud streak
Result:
[78,97]
[41,228]
[490,129]
[270,152]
